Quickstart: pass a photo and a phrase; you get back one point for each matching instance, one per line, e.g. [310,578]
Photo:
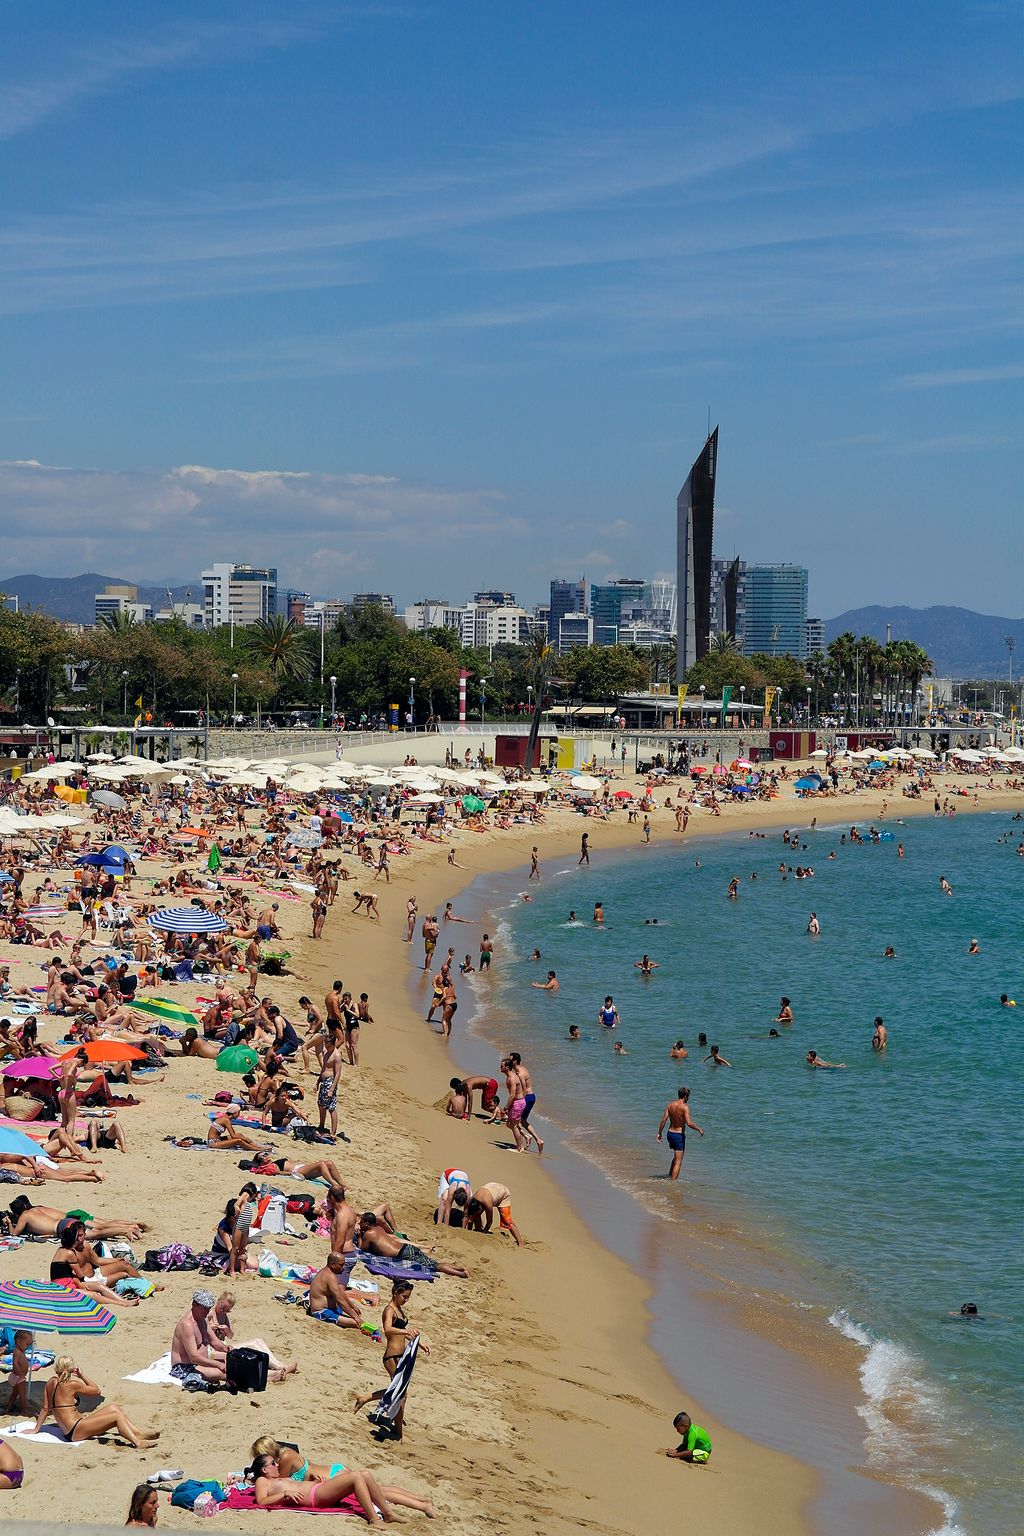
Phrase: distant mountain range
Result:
[961,643]
[72,597]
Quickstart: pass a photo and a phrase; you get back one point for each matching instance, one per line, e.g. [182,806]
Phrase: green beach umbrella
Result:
[237,1058]
[473,803]
[170,1013]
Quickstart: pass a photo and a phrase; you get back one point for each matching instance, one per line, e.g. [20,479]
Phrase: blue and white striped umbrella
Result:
[186,920]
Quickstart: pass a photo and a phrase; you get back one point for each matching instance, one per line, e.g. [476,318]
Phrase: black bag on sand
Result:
[247,1369]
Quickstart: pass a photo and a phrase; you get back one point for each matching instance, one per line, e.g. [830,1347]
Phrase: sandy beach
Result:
[540,1407]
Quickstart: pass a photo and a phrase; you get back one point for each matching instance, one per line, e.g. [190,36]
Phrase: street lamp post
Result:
[412,703]
[483,698]
[234,701]
[334,684]
[702,692]
[808,692]
[743,705]
[124,686]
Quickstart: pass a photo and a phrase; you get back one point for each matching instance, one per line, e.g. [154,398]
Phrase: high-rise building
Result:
[695,523]
[612,603]
[728,598]
[566,597]
[434,613]
[113,601]
[239,594]
[574,629]
[499,599]
[814,637]
[776,610]
[373,600]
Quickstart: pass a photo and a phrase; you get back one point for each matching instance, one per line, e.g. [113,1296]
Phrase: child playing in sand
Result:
[695,1445]
[17,1381]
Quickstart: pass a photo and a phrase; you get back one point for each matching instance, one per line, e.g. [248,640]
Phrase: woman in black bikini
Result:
[60,1400]
[397,1333]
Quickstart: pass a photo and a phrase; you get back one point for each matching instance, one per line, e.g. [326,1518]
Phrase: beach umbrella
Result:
[719,771]
[42,1307]
[170,1013]
[107,1050]
[623,794]
[304,839]
[820,752]
[97,860]
[473,803]
[236,1058]
[16,1144]
[810,782]
[186,920]
[583,782]
[698,769]
[425,800]
[99,757]
[109,799]
[742,762]
[115,854]
[33,1066]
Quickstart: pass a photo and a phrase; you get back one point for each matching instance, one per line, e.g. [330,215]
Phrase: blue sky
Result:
[426,297]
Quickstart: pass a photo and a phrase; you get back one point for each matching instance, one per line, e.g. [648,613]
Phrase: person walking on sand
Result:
[530,1100]
[678,1119]
[69,1074]
[584,849]
[534,865]
[411,909]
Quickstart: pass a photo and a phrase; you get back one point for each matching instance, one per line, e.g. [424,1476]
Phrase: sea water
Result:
[893,1185]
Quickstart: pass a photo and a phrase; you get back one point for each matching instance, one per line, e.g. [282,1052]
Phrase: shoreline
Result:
[908,1509]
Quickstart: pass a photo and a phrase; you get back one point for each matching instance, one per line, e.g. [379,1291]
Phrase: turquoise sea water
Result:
[893,1187]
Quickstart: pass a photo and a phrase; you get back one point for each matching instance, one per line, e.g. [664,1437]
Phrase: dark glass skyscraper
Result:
[566,597]
[695,523]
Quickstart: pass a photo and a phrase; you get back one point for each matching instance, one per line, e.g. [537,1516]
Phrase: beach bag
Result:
[305,1133]
[301,1205]
[174,1256]
[186,1493]
[247,1369]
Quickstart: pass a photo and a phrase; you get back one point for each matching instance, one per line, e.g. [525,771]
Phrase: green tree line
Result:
[103,671]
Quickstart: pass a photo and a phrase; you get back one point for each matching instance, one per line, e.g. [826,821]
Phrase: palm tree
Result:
[842,655]
[539,654]
[282,646]
[119,623]
[724,644]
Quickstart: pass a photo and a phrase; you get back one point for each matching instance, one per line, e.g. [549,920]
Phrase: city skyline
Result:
[361,282]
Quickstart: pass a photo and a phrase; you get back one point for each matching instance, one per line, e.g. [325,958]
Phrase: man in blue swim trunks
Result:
[329,1302]
[678,1119]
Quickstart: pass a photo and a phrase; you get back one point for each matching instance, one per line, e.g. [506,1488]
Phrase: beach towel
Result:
[245,1499]
[156,1375]
[50,1434]
[396,1269]
[390,1405]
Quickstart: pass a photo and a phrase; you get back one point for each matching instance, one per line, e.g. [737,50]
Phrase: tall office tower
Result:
[695,522]
[776,610]
[613,601]
[373,600]
[239,594]
[566,597]
[728,598]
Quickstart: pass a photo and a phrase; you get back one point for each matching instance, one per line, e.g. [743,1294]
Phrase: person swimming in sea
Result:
[814,1060]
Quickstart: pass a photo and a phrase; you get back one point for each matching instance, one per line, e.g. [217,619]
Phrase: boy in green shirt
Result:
[695,1445]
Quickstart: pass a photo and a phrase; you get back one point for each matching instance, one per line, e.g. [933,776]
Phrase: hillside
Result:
[960,642]
[71,597]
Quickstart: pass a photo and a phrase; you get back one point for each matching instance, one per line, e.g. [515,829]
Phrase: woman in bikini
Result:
[397,1334]
[272,1489]
[12,1468]
[299,1469]
[60,1401]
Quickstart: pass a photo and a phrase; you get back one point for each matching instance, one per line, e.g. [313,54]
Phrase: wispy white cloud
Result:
[943,378]
[26,104]
[312,526]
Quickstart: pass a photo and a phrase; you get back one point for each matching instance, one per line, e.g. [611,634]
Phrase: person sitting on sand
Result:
[695,1446]
[196,1349]
[294,1465]
[60,1401]
[329,1301]
[223,1135]
[371,1238]
[12,1468]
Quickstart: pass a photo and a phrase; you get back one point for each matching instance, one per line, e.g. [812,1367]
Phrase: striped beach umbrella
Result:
[170,1013]
[186,920]
[44,1308]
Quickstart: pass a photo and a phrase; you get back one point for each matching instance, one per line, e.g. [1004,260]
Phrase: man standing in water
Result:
[677,1117]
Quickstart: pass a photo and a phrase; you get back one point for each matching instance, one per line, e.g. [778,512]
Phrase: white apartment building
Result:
[239,594]
[434,613]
